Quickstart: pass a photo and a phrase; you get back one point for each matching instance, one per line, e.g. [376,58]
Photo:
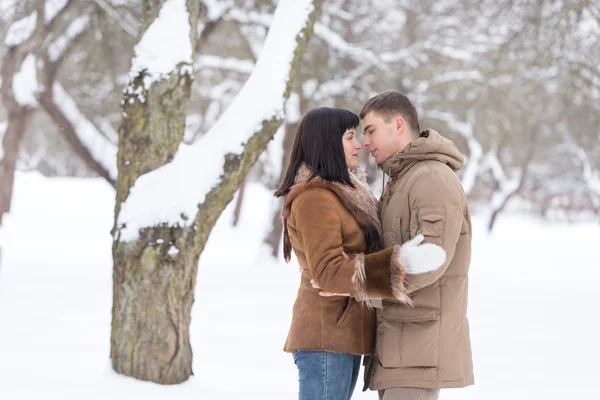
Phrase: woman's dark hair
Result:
[318,144]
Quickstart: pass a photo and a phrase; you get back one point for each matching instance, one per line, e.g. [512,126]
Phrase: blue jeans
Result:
[326,376]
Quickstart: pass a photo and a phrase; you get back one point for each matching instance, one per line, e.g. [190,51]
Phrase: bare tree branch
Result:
[114,14]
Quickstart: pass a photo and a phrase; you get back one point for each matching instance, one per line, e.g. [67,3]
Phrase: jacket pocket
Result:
[432,224]
[429,222]
[408,337]
[420,343]
[388,343]
[345,311]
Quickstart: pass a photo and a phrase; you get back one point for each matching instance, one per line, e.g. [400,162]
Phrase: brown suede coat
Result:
[322,221]
[427,345]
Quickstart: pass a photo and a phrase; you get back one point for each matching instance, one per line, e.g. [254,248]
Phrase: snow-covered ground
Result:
[533,305]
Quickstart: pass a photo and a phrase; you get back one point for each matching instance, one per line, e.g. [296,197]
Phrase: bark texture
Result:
[153,284]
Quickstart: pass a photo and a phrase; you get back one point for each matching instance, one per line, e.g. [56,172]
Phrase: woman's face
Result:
[351,147]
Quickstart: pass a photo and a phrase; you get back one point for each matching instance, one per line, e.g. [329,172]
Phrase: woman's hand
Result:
[326,294]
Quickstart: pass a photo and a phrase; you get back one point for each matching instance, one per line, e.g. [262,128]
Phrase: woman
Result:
[331,223]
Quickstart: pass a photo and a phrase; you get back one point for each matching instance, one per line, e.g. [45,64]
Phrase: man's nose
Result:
[366,143]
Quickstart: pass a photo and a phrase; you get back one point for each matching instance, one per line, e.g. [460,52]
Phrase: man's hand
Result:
[419,258]
[326,294]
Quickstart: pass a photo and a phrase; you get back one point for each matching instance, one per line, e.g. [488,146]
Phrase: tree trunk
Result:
[273,239]
[504,198]
[18,114]
[15,131]
[153,288]
[154,275]
[11,144]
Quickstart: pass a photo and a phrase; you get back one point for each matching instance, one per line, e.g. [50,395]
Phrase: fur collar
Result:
[358,200]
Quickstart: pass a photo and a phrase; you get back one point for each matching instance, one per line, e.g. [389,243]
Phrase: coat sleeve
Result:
[319,229]
[385,276]
[437,207]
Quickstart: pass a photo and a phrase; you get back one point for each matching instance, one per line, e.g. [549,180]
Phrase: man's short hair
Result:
[390,104]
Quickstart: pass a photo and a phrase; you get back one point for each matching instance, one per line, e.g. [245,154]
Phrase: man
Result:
[424,348]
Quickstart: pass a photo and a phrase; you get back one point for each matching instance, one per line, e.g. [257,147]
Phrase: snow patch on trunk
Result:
[165,44]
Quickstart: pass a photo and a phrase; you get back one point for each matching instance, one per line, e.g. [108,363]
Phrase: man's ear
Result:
[400,125]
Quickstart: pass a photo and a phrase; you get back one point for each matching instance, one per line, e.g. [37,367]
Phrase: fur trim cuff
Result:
[359,279]
[398,278]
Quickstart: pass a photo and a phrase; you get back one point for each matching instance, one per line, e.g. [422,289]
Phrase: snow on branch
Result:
[337,43]
[165,45]
[492,163]
[229,64]
[177,188]
[21,30]
[338,12]
[216,9]
[52,8]
[402,54]
[455,76]
[506,186]
[101,149]
[333,40]
[451,53]
[409,52]
[25,83]
[58,47]
[464,129]
[7,9]
[249,17]
[337,87]
[590,175]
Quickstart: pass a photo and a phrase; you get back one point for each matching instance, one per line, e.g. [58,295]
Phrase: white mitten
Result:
[418,258]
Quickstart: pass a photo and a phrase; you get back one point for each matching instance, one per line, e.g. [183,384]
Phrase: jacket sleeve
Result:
[319,229]
[384,276]
[437,208]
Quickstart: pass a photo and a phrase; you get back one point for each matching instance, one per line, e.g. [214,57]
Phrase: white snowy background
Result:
[533,284]
[533,305]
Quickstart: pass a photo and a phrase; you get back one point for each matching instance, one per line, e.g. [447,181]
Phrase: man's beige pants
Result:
[409,394]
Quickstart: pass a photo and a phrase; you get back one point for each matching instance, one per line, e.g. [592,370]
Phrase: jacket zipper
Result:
[418,222]
[383,184]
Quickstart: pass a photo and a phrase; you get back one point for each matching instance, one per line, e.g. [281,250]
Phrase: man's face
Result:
[381,137]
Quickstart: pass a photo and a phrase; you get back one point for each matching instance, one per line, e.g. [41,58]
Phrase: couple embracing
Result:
[385,279]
